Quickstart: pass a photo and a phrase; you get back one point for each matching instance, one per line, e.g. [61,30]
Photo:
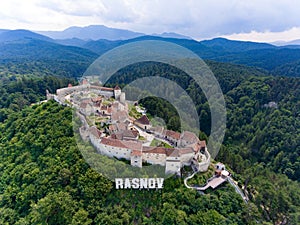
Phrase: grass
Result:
[133,112]
[158,143]
[141,138]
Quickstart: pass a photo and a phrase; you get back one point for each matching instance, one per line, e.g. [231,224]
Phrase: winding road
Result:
[214,182]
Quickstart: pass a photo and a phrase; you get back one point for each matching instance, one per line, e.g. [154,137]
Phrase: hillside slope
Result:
[58,59]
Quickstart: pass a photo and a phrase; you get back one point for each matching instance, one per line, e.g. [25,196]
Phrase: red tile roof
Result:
[202,144]
[133,145]
[136,153]
[117,88]
[125,134]
[186,151]
[143,120]
[121,126]
[189,137]
[103,107]
[94,131]
[173,134]
[95,87]
[120,116]
[175,153]
[158,150]
[106,89]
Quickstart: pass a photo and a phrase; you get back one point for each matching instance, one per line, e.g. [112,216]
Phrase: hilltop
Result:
[45,177]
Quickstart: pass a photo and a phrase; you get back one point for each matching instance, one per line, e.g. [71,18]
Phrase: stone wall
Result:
[172,166]
[111,151]
[154,158]
[203,166]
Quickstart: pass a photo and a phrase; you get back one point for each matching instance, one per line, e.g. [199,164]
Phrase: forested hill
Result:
[77,55]
[45,58]
[259,55]
[262,133]
[45,180]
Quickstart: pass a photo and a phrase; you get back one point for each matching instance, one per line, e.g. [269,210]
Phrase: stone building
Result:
[143,123]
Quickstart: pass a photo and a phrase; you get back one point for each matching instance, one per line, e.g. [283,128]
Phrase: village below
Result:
[121,129]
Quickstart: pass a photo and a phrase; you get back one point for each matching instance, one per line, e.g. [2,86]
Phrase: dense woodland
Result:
[261,141]
[45,179]
[19,91]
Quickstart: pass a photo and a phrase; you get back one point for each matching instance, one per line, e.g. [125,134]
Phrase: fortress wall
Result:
[136,161]
[69,90]
[172,166]
[112,151]
[203,166]
[96,143]
[154,158]
[107,93]
[186,158]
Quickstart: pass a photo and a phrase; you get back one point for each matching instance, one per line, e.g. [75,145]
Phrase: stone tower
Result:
[48,95]
[136,158]
[117,92]
[122,97]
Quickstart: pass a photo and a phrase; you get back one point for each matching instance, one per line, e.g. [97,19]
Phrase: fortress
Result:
[114,133]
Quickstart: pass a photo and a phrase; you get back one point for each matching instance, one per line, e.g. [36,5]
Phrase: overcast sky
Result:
[257,20]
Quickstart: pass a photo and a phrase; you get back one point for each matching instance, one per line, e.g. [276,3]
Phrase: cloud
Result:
[199,19]
[287,35]
[74,7]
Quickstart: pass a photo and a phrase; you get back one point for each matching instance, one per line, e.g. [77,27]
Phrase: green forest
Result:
[45,179]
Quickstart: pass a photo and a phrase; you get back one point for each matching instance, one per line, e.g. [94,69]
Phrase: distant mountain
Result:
[3,30]
[101,46]
[268,59]
[287,43]
[48,57]
[93,32]
[38,49]
[71,42]
[260,55]
[17,35]
[97,32]
[27,45]
[172,35]
[223,44]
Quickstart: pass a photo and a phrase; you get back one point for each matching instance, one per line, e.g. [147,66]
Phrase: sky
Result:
[253,20]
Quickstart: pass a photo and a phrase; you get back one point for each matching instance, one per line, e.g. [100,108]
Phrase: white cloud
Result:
[267,36]
[199,19]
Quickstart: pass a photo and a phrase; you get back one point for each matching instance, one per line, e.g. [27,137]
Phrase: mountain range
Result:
[86,44]
[93,32]
[96,32]
[285,43]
